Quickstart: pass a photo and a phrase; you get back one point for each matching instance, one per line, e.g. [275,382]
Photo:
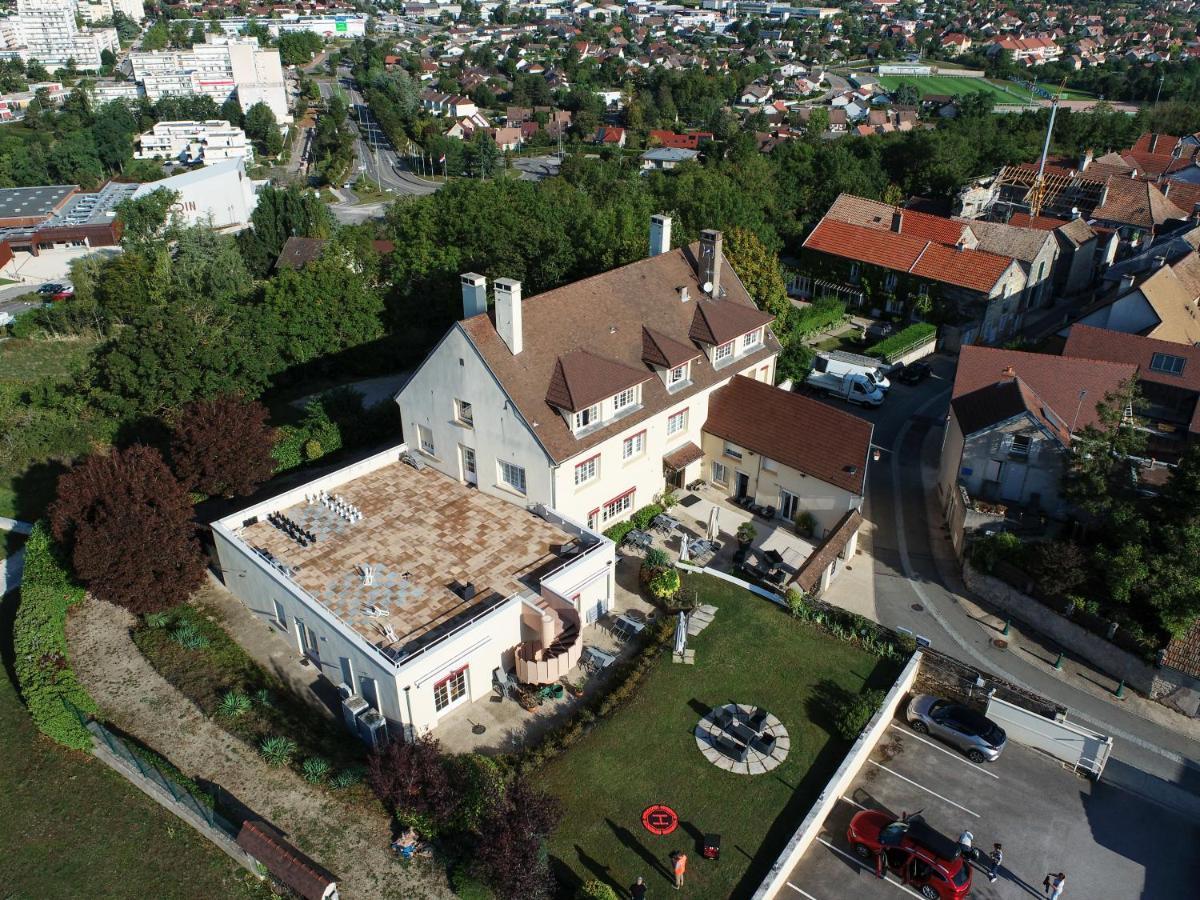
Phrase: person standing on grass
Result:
[679,858]
[1054,885]
[637,890]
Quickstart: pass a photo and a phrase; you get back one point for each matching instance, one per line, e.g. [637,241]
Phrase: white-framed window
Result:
[732,451]
[720,473]
[587,470]
[752,339]
[586,417]
[1167,364]
[627,397]
[425,439]
[855,272]
[634,445]
[619,505]
[677,375]
[464,414]
[451,690]
[594,519]
[769,465]
[513,476]
[723,352]
[676,422]
[889,283]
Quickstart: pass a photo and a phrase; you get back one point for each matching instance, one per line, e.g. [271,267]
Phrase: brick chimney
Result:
[897,220]
[474,294]
[508,313]
[1009,372]
[710,262]
[1085,160]
[660,234]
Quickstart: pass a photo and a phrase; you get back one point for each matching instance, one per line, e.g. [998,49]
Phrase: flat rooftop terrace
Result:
[425,536]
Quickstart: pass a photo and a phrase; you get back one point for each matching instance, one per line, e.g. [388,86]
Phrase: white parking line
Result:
[862,865]
[852,802]
[799,891]
[967,762]
[925,789]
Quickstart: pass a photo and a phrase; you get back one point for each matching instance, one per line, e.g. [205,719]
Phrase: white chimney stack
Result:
[508,313]
[474,294]
[660,234]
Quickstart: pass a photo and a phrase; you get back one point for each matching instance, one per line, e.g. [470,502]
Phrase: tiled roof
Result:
[809,574]
[797,431]
[1009,240]
[582,379]
[1183,653]
[664,352]
[718,321]
[1172,293]
[1153,142]
[873,214]
[606,315]
[298,252]
[284,861]
[973,269]
[683,456]
[1002,401]
[1139,203]
[1056,380]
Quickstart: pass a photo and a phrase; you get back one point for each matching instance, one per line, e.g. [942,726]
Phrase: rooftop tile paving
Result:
[424,535]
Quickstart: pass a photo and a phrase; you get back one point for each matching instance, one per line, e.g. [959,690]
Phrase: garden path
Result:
[350,841]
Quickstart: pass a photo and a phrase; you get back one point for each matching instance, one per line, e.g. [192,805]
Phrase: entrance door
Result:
[308,641]
[789,505]
[741,484]
[1012,481]
[470,473]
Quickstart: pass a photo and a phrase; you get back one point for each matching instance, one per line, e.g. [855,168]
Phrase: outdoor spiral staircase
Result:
[545,662]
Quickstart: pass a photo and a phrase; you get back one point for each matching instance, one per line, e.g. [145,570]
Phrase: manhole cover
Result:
[1000,643]
[917,607]
[478,729]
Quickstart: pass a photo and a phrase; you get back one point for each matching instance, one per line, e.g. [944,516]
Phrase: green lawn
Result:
[849,341]
[74,828]
[1001,91]
[25,361]
[646,753]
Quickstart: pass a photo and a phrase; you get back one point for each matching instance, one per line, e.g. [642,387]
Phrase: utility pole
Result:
[1158,93]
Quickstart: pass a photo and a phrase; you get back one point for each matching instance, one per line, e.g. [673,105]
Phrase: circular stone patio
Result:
[756,763]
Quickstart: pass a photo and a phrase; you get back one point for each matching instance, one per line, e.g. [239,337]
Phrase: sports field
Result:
[1000,91]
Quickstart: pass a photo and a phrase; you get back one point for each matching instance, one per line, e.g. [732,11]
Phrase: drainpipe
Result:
[412,726]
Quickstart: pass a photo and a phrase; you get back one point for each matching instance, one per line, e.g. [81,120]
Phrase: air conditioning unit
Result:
[352,708]
[372,728]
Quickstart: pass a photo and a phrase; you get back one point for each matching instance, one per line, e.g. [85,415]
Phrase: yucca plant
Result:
[158,619]
[262,697]
[344,779]
[278,751]
[315,769]
[233,704]
[189,636]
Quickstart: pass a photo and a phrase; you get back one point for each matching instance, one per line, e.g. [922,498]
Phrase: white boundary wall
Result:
[836,786]
[1073,744]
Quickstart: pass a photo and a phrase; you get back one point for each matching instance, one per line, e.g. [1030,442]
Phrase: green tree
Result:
[206,266]
[261,127]
[758,270]
[281,213]
[157,36]
[146,221]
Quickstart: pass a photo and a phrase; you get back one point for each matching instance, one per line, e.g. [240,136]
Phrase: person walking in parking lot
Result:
[1054,885]
[996,857]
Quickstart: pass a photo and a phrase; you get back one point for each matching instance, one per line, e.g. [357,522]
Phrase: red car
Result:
[923,858]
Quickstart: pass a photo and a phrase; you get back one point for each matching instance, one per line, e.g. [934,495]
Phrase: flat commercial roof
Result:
[425,536]
[29,202]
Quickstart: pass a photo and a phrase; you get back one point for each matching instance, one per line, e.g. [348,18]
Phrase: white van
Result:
[839,362]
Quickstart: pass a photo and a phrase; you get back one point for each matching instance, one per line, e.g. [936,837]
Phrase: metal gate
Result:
[1082,748]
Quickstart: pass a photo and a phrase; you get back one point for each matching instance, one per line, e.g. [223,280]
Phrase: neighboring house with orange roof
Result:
[895,260]
[1012,418]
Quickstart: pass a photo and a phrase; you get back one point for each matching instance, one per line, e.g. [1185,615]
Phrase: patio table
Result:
[626,627]
[666,523]
[774,557]
[639,539]
[598,657]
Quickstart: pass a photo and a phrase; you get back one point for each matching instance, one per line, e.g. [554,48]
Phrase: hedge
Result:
[40,655]
[903,340]
[818,316]
[641,520]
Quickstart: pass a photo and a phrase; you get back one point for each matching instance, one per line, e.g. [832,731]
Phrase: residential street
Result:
[915,587]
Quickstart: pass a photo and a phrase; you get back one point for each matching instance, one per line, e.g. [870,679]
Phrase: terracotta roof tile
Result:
[974,269]
[284,861]
[1183,653]
[1139,203]
[797,431]
[872,214]
[582,379]
[718,322]
[809,574]
[683,456]
[605,315]
[664,352]
[1055,380]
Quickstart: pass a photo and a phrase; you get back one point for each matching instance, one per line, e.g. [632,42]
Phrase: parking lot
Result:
[1112,844]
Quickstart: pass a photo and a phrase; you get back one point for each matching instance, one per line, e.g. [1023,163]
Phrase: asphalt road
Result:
[16,298]
[1148,758]
[535,168]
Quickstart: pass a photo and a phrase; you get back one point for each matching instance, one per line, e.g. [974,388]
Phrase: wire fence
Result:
[141,765]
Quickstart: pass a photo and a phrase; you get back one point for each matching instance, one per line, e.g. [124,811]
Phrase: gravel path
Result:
[349,841]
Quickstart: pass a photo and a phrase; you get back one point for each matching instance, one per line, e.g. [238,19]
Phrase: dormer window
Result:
[587,417]
[678,375]
[625,399]
[752,339]
[723,352]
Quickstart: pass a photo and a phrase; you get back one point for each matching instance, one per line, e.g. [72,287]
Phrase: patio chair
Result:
[758,718]
[764,744]
[723,717]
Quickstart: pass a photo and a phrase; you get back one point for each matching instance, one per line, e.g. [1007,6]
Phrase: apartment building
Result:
[46,30]
[93,11]
[194,142]
[595,398]
[222,67]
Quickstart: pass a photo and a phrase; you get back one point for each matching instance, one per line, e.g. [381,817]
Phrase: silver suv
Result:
[973,733]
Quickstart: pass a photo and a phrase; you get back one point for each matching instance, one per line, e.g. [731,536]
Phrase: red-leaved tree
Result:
[128,526]
[411,780]
[222,446]
[509,854]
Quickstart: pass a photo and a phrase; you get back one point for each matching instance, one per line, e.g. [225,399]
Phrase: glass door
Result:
[470,473]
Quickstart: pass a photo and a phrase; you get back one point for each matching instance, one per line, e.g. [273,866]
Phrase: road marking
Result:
[799,891]
[925,789]
[852,802]
[990,665]
[912,734]
[862,865]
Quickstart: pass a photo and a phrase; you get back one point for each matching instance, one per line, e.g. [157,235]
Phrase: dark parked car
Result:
[50,288]
[977,736]
[914,373]
[920,856]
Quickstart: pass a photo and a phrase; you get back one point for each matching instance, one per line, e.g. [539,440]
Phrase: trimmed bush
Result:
[852,716]
[40,656]
[617,532]
[817,316]
[902,340]
[643,517]
[595,889]
[796,603]
[664,585]
[987,551]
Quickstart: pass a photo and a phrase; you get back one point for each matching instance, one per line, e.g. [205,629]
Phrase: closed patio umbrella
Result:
[713,530]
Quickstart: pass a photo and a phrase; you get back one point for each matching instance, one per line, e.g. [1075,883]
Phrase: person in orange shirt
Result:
[680,860]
